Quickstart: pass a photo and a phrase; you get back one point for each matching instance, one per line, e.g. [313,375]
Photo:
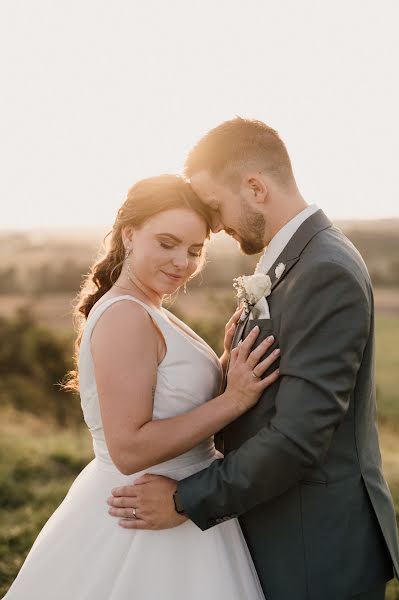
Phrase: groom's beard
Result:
[253,230]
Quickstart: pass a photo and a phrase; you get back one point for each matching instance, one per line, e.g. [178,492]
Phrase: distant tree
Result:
[9,283]
[49,277]
[33,360]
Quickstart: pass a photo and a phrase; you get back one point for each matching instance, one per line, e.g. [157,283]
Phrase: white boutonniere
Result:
[250,289]
[279,270]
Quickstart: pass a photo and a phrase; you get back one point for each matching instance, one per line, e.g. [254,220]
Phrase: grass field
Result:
[38,465]
[387,366]
[54,310]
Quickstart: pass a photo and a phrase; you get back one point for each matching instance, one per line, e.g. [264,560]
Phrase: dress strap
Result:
[98,310]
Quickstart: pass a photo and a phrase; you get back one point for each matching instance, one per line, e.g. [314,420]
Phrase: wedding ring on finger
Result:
[134,514]
[254,375]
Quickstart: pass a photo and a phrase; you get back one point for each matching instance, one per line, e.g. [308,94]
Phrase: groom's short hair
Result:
[238,144]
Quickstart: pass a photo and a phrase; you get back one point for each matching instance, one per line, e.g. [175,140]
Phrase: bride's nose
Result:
[180,260]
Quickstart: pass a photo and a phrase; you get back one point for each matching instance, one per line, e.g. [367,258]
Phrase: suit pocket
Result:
[313,482]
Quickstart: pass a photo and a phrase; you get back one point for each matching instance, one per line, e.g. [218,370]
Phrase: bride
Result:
[150,391]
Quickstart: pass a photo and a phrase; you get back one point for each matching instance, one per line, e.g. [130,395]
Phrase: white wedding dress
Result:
[83,554]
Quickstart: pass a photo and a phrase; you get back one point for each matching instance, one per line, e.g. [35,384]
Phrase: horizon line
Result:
[60,227]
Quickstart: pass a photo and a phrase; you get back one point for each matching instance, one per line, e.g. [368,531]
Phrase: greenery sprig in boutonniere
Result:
[250,289]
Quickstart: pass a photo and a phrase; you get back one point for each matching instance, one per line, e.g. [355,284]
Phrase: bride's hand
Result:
[244,382]
[229,331]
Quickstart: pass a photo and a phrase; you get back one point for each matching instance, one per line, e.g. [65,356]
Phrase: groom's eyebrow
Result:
[176,239]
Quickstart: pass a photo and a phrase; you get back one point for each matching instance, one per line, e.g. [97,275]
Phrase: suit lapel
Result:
[239,330]
[236,338]
[293,250]
[288,264]
[289,257]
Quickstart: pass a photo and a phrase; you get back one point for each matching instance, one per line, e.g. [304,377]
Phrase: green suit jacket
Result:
[302,469]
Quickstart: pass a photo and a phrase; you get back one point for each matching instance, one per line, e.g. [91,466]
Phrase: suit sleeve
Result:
[323,334]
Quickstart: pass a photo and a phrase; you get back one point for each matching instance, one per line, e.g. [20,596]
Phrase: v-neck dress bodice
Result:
[189,375]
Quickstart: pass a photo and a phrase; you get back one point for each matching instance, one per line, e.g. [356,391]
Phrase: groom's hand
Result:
[152,498]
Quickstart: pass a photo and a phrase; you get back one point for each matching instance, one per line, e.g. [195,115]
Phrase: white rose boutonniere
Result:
[250,289]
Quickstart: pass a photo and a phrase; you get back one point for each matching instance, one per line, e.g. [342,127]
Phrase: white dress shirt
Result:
[273,251]
[282,237]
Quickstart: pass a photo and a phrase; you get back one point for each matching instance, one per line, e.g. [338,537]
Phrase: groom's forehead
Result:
[203,185]
[211,191]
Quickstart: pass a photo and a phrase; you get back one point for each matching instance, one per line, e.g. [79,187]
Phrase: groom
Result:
[302,469]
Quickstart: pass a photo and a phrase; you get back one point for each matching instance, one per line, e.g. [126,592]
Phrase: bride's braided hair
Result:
[145,199]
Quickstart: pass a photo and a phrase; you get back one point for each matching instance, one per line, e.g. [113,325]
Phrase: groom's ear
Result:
[256,189]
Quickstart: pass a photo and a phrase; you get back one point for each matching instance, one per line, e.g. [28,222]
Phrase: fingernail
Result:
[270,338]
[256,329]
[276,352]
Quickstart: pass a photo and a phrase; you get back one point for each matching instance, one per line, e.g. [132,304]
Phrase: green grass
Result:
[387,367]
[38,465]
[392,591]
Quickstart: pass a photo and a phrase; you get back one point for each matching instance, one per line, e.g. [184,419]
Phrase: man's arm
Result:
[323,335]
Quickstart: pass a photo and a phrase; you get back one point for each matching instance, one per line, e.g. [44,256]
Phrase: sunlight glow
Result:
[97,95]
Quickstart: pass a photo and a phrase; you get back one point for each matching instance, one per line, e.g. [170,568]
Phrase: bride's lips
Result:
[173,277]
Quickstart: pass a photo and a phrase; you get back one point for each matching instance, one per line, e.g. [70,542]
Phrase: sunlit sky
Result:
[97,94]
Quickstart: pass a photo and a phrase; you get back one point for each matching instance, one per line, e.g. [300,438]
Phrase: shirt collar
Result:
[282,237]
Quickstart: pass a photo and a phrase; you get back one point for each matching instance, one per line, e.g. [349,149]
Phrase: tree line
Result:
[59,270]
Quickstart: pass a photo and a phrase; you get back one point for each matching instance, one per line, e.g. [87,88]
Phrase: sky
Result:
[98,94]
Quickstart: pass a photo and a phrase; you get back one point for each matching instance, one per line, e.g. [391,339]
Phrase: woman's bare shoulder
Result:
[123,317]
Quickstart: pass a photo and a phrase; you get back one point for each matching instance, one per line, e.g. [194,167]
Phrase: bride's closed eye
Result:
[171,246]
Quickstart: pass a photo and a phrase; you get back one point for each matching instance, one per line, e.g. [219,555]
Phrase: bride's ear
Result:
[127,236]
